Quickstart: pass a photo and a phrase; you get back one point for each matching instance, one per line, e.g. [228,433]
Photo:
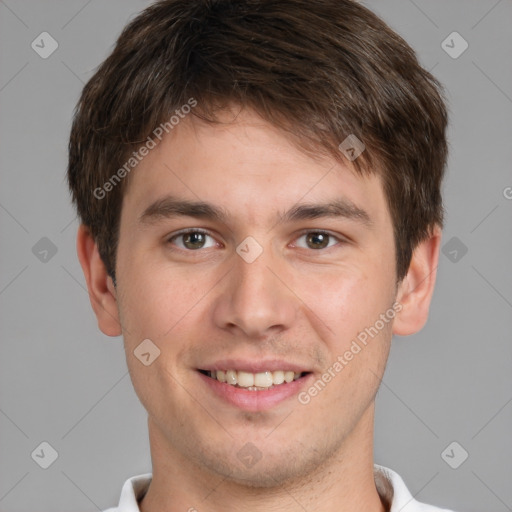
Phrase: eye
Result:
[192,240]
[317,240]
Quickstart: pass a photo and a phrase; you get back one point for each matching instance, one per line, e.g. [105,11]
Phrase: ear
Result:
[416,289]
[102,293]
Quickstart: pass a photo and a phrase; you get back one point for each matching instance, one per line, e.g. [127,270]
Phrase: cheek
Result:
[345,301]
[157,301]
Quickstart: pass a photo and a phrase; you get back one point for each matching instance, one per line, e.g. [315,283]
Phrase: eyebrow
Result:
[169,207]
[338,208]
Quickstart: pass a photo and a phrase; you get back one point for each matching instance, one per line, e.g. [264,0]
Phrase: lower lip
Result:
[255,400]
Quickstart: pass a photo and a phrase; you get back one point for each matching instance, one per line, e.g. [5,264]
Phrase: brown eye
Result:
[192,240]
[317,240]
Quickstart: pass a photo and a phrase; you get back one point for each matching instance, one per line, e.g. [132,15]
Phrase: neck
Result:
[344,483]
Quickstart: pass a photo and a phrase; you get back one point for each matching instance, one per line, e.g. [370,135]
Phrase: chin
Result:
[270,471]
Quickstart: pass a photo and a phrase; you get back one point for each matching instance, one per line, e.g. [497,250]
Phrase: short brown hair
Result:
[320,70]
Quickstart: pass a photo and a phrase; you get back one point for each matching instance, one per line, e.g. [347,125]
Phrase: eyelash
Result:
[306,232]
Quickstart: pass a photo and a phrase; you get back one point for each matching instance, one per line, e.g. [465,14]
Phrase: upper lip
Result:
[254,366]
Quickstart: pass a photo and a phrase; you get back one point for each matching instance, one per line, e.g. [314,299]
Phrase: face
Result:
[242,258]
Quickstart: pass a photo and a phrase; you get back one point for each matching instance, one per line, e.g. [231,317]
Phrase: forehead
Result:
[245,164]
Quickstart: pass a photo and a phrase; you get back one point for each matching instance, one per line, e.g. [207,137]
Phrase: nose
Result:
[255,300]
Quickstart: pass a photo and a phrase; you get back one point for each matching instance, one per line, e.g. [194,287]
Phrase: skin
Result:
[295,302]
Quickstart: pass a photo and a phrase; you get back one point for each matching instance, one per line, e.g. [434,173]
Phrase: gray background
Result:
[63,382]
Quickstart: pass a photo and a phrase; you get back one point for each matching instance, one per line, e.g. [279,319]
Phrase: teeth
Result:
[263,380]
[231,377]
[254,381]
[245,380]
[278,377]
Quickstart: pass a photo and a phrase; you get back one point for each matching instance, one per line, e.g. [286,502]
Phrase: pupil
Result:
[194,240]
[318,240]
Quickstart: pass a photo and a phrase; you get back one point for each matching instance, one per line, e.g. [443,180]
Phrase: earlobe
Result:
[416,289]
[102,293]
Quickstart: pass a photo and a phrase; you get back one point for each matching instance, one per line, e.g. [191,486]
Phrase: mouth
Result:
[261,381]
[256,391]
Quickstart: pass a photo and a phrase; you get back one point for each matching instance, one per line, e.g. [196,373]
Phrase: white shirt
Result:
[390,487]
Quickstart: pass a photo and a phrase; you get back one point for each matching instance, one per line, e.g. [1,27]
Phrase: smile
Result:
[255,391]
[253,381]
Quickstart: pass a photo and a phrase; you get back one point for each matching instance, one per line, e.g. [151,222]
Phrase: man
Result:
[258,184]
